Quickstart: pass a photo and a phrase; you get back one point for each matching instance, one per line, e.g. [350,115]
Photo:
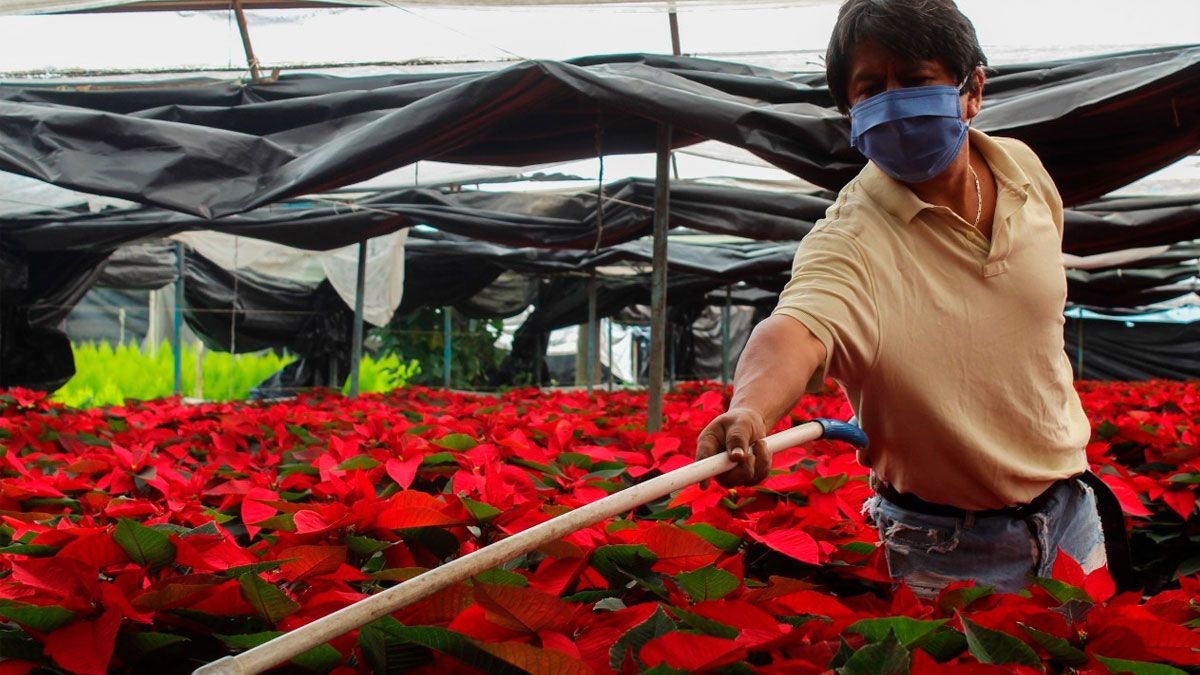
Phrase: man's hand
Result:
[740,432]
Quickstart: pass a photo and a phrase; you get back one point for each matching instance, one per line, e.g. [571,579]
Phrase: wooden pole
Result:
[658,282]
[304,638]
[674,19]
[251,59]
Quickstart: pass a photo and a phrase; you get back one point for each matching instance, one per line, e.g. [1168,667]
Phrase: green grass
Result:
[107,375]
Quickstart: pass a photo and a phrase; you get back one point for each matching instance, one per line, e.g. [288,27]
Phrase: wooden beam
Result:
[250,58]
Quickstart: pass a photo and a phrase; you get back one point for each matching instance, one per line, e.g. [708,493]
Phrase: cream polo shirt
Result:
[949,346]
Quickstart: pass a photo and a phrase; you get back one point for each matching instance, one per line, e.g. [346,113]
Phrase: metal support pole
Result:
[447,340]
[592,348]
[251,59]
[725,336]
[611,377]
[658,281]
[178,337]
[356,342]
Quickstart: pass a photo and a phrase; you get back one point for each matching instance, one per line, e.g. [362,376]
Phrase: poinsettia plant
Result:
[157,536]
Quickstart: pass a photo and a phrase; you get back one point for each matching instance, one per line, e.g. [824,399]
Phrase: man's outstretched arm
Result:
[778,361]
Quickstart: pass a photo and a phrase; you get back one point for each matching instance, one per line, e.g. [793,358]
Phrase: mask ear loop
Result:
[963,90]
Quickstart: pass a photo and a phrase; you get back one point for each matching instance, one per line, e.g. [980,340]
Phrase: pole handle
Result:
[300,640]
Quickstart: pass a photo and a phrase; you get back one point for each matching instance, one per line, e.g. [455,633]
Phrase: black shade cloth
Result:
[39,292]
[213,149]
[1116,350]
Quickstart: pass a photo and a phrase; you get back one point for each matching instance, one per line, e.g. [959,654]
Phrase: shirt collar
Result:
[901,202]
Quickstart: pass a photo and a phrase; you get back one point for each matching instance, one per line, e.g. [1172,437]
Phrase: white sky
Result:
[1011,31]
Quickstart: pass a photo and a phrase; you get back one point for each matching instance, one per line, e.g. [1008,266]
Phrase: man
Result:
[932,292]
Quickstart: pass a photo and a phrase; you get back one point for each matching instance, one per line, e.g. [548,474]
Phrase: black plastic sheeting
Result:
[539,219]
[241,312]
[516,223]
[565,220]
[1116,350]
[39,290]
[212,149]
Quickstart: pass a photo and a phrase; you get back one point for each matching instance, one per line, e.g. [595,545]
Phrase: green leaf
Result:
[859,547]
[209,528]
[17,644]
[906,630]
[144,642]
[827,484]
[1059,649]
[302,433]
[704,624]
[720,538]
[635,638]
[844,652]
[288,469]
[707,583]
[146,546]
[318,659]
[358,462]
[43,618]
[676,513]
[456,442]
[961,598]
[1188,567]
[886,657]
[1062,591]
[438,458]
[386,638]
[502,577]
[271,603]
[34,550]
[996,648]
[592,595]
[254,568]
[609,605]
[1117,666]
[364,545]
[942,644]
[1190,478]
[619,563]
[480,511]
[220,518]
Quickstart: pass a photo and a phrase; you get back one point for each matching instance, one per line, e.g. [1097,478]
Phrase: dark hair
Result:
[913,29]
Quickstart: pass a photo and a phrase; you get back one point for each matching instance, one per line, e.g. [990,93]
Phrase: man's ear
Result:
[974,101]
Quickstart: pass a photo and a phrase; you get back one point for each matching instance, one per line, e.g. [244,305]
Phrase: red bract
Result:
[159,532]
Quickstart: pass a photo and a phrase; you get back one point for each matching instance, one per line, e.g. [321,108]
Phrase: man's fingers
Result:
[707,445]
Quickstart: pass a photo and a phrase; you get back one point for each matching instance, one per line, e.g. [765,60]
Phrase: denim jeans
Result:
[929,552]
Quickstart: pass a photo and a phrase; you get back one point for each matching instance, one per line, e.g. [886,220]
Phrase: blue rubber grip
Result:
[836,430]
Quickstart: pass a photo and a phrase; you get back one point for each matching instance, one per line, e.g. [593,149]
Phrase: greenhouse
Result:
[290,335]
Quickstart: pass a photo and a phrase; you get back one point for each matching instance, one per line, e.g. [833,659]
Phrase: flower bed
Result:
[157,537]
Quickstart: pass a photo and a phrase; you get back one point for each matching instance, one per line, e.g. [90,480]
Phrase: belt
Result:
[914,503]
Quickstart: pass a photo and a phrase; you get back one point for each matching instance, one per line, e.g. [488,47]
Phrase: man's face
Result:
[874,70]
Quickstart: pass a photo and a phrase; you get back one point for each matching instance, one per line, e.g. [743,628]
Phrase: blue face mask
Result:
[912,133]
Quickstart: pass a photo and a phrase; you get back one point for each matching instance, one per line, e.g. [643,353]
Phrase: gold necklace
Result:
[978,197]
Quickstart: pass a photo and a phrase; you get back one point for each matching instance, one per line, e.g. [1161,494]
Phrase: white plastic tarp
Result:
[385,266]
